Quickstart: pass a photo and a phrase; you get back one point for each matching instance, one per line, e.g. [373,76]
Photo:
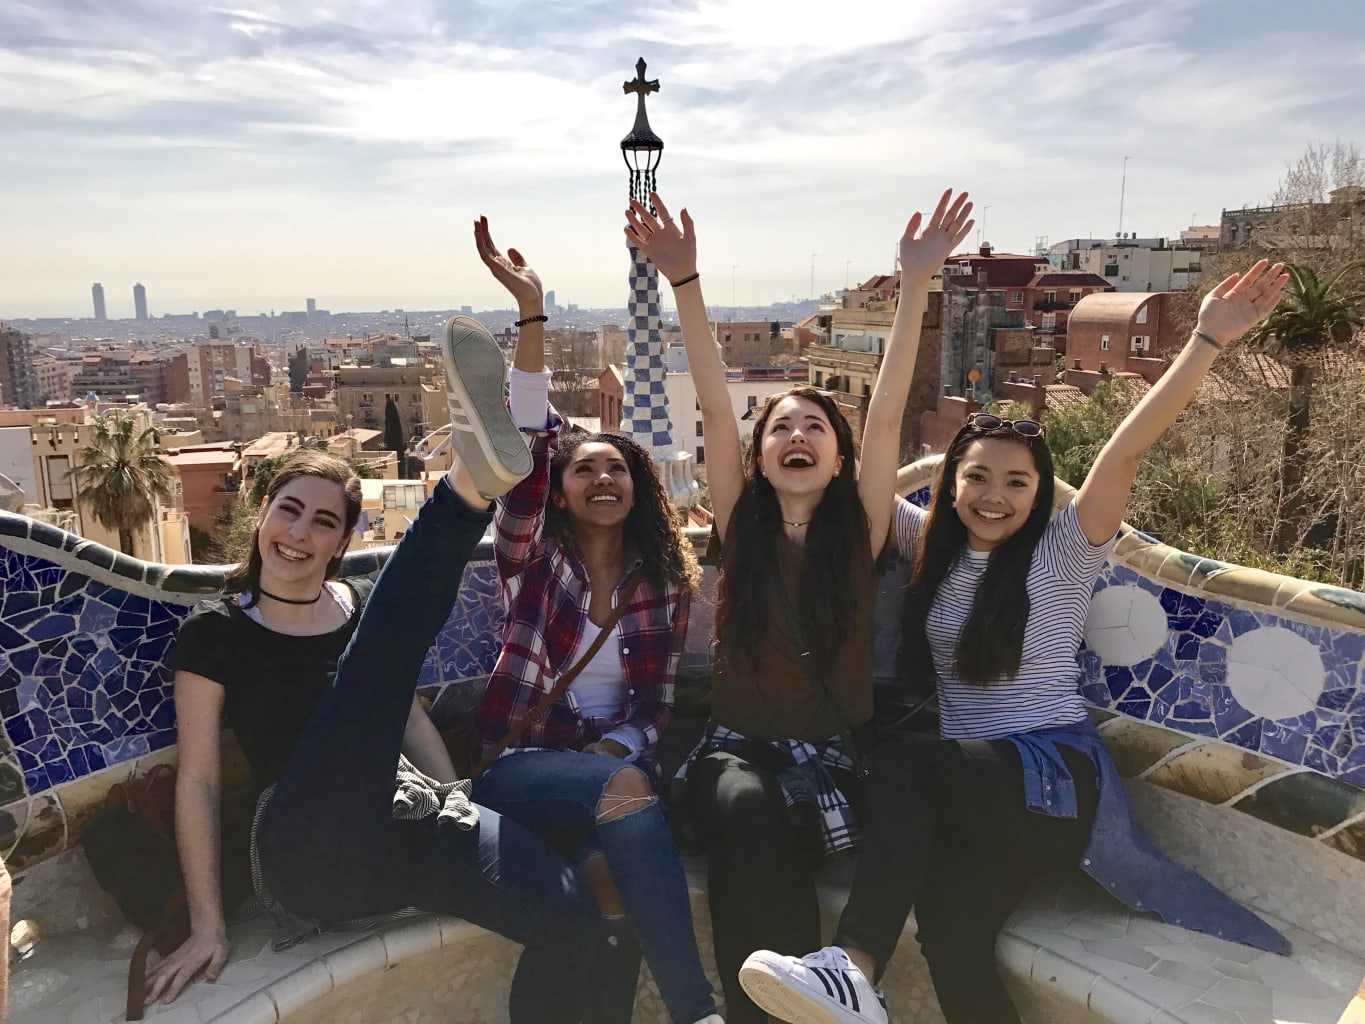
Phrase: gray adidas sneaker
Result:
[482,432]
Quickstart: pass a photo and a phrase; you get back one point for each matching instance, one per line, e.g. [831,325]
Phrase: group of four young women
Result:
[562,845]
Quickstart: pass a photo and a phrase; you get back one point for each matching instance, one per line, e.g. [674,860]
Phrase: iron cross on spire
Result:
[641,148]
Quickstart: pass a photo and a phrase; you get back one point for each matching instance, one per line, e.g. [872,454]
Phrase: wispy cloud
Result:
[249,155]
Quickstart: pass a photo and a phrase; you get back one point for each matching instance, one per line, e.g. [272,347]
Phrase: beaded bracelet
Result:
[541,319]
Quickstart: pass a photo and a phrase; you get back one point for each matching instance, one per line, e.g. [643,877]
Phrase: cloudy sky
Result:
[251,156]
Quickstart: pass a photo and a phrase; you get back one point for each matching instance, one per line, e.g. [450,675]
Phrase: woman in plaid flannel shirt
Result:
[800,521]
[591,513]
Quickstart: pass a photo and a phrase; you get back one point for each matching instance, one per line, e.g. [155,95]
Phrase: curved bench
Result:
[1069,954]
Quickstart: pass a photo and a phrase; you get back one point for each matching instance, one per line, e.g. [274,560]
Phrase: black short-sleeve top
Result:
[271,681]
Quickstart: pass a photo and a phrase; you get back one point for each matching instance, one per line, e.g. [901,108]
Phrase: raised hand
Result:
[671,246]
[511,270]
[923,252]
[1240,302]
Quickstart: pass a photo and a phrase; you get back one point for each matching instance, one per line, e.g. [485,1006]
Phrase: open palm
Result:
[511,270]
[923,253]
[1238,303]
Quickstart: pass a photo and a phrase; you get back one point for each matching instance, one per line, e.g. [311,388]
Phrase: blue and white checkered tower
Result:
[644,411]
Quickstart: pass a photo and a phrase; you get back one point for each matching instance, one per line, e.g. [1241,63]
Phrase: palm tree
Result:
[1316,315]
[119,475]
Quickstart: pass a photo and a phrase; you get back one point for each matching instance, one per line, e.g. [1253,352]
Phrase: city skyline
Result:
[248,158]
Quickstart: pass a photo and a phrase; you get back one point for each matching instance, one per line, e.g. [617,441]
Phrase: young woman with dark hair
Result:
[800,523]
[317,683]
[570,539]
[1020,783]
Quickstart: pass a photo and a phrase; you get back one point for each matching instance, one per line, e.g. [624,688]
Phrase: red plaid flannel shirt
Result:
[546,592]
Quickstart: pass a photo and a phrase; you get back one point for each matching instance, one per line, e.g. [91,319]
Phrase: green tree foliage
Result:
[120,475]
[393,429]
[1318,315]
[267,468]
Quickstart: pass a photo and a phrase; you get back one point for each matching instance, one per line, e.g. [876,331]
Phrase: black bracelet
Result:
[541,319]
[686,280]
[1209,338]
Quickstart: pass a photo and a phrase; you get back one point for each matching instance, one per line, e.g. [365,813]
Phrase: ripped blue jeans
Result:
[561,794]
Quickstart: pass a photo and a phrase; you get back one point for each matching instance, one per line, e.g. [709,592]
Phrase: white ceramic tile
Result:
[411,938]
[1125,625]
[1113,1003]
[1274,672]
[311,981]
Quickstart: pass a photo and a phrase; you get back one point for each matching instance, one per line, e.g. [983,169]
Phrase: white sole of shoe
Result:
[471,354]
[781,1000]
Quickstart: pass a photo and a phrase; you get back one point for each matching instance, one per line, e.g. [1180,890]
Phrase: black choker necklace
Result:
[291,600]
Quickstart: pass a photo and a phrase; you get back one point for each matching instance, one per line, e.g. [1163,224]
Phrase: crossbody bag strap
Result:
[807,659]
[561,686]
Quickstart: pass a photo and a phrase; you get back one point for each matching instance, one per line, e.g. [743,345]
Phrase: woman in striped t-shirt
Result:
[1020,783]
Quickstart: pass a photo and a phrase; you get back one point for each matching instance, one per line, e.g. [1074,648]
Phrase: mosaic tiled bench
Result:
[1235,696]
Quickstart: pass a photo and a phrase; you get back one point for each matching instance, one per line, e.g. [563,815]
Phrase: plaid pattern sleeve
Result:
[519,517]
[652,680]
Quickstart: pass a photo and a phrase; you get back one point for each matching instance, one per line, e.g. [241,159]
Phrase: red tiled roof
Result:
[1061,396]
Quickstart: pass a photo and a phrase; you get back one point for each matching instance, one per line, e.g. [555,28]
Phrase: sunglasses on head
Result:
[989,422]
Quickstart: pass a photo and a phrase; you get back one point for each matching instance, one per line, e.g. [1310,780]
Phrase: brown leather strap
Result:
[562,684]
[137,967]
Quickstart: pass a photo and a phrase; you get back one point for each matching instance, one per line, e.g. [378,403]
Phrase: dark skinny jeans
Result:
[760,876]
[947,834]
[329,844]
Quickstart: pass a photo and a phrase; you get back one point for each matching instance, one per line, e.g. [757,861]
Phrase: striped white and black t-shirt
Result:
[1044,693]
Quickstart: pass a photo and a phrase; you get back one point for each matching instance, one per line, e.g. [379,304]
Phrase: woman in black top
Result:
[330,848]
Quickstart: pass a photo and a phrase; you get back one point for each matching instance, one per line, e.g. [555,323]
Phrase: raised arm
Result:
[198,797]
[672,247]
[922,254]
[524,285]
[1232,308]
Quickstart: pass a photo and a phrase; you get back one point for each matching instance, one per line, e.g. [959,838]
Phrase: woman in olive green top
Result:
[800,524]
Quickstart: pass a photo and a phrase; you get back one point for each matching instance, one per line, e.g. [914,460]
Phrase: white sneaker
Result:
[819,988]
[482,432]
[713,1018]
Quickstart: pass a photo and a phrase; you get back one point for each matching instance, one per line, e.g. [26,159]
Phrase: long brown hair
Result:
[246,577]
[838,547]
[992,641]
[653,527]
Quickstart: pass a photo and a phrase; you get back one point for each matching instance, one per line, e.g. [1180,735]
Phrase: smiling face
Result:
[995,488]
[301,531]
[799,452]
[596,488]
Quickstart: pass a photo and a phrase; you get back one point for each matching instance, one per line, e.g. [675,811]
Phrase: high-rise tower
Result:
[140,301]
[97,293]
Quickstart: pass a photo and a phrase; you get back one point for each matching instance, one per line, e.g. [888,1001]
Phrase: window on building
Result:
[819,378]
[699,428]
[867,389]
[698,405]
[1016,298]
[58,483]
[1104,343]
[1075,295]
[1141,343]
[1111,270]
[1141,317]
[1050,295]
[752,401]
[701,455]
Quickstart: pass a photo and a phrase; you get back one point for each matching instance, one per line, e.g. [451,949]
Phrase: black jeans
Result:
[947,834]
[329,844]
[760,871]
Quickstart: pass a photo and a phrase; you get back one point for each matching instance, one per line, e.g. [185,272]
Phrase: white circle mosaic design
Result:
[1275,673]
[1126,625]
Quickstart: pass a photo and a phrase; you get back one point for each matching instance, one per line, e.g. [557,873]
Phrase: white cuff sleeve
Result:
[529,398]
[629,736]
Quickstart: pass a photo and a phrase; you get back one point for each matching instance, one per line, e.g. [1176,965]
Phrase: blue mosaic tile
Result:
[1283,743]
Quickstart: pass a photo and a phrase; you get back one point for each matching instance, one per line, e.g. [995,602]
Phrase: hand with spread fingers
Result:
[511,270]
[670,245]
[1241,301]
[923,253]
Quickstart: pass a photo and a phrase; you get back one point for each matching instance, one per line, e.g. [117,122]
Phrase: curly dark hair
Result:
[992,641]
[246,577]
[653,527]
[838,546]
